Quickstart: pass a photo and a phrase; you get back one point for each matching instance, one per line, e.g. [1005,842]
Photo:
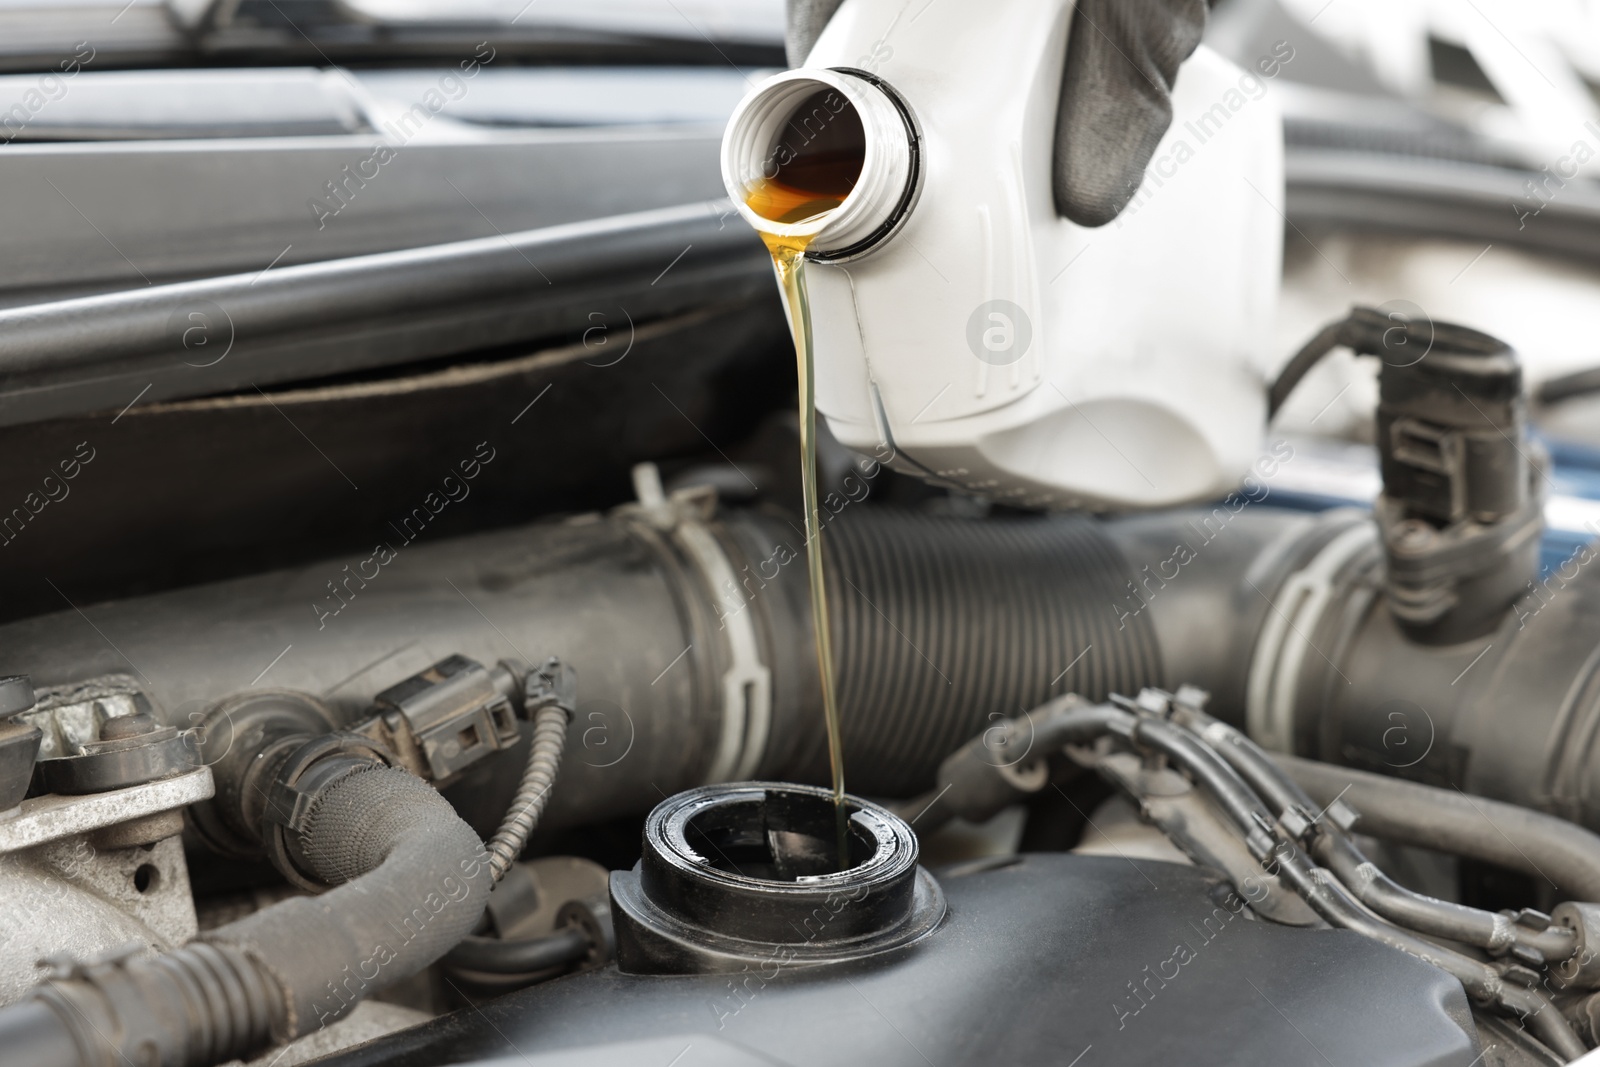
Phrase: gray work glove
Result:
[1116,95]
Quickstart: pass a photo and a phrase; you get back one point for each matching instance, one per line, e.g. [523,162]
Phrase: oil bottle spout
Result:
[829,157]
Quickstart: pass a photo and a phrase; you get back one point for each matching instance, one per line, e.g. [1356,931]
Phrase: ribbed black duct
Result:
[945,625]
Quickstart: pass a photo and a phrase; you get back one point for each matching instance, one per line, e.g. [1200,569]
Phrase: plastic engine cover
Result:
[1043,958]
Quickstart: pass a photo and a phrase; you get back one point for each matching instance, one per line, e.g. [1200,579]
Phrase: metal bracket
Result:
[52,817]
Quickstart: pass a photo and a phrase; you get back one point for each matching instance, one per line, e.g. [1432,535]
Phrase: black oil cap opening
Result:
[780,837]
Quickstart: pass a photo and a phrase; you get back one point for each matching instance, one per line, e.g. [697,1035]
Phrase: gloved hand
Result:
[1116,94]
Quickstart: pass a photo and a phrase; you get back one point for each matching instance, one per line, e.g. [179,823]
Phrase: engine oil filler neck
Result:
[743,874]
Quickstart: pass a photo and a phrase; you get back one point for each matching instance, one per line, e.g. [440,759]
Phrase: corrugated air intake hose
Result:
[942,626]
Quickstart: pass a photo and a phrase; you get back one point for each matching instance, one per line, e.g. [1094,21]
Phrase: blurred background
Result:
[1441,160]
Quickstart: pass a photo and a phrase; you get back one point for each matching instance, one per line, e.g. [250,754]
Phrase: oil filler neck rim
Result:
[735,874]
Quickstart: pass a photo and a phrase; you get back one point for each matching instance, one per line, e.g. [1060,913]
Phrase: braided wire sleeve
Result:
[544,761]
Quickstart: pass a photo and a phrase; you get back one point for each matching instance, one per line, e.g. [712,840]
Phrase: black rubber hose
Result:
[973,781]
[1238,800]
[520,955]
[1578,383]
[1077,725]
[1506,835]
[1333,848]
[1326,896]
[1300,364]
[1375,332]
[1329,899]
[410,878]
[1542,1017]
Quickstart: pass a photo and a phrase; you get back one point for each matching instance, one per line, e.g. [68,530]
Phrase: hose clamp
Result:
[747,683]
[1285,638]
[302,780]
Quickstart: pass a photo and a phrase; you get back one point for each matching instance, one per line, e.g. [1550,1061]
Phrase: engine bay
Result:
[642,563]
